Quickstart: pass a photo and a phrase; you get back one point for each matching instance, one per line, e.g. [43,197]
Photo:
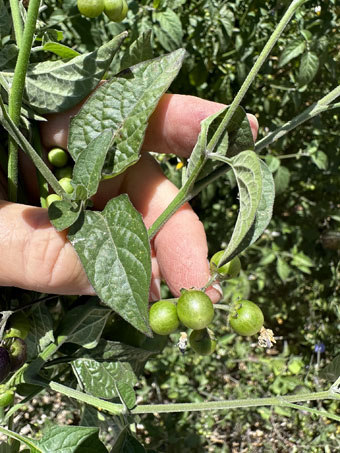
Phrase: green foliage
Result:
[291,271]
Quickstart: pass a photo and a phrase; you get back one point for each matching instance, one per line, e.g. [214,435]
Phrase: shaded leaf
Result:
[320,159]
[283,269]
[292,50]
[41,330]
[169,32]
[281,179]
[331,372]
[55,86]
[114,249]
[84,324]
[124,105]
[71,439]
[309,66]
[62,214]
[140,50]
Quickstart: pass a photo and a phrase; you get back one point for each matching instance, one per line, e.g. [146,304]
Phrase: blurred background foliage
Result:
[292,271]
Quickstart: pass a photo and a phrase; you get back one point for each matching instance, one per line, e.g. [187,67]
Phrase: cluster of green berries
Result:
[13,353]
[59,158]
[195,310]
[115,10]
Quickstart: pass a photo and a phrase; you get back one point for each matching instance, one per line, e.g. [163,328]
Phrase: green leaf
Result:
[273,163]
[309,66]
[283,269]
[55,86]
[84,324]
[169,31]
[300,259]
[41,330]
[124,105]
[60,50]
[100,379]
[247,169]
[88,167]
[320,159]
[71,439]
[292,50]
[8,56]
[114,351]
[281,179]
[114,249]
[140,50]
[5,20]
[63,214]
[331,372]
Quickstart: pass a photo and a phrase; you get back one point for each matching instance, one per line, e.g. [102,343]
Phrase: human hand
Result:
[35,256]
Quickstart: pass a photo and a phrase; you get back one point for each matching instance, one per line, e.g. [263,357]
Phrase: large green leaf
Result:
[63,214]
[114,249]
[292,50]
[71,439]
[55,86]
[84,324]
[106,379]
[124,106]
[247,169]
[309,66]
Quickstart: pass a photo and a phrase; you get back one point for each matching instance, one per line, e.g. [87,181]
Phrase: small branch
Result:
[254,71]
[17,21]
[16,93]
[323,105]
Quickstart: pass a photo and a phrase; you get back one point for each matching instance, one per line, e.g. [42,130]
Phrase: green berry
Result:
[6,396]
[116,10]
[201,342]
[228,270]
[246,318]
[17,351]
[57,157]
[66,184]
[64,172]
[51,198]
[195,309]
[19,326]
[90,8]
[163,317]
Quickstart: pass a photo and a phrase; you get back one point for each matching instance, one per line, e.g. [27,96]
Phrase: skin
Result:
[34,256]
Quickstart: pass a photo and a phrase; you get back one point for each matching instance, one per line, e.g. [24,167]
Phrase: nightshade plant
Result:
[102,145]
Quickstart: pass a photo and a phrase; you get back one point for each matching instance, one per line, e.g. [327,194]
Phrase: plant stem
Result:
[18,137]
[229,404]
[182,197]
[43,186]
[16,93]
[321,106]
[17,22]
[252,74]
[92,400]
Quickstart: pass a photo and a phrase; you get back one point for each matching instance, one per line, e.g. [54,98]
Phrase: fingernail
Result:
[218,288]
[155,290]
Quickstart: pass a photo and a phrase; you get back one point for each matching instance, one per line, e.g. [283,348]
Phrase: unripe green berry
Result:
[116,10]
[246,318]
[57,157]
[163,317]
[195,309]
[6,396]
[66,185]
[202,342]
[63,172]
[90,8]
[51,198]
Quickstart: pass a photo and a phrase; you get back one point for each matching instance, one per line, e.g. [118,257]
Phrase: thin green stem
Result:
[323,105]
[254,71]
[182,197]
[17,21]
[43,186]
[16,93]
[18,137]
[222,307]
[229,404]
[88,399]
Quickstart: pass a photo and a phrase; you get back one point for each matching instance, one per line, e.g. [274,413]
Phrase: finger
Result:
[176,123]
[35,256]
[180,246]
[173,127]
